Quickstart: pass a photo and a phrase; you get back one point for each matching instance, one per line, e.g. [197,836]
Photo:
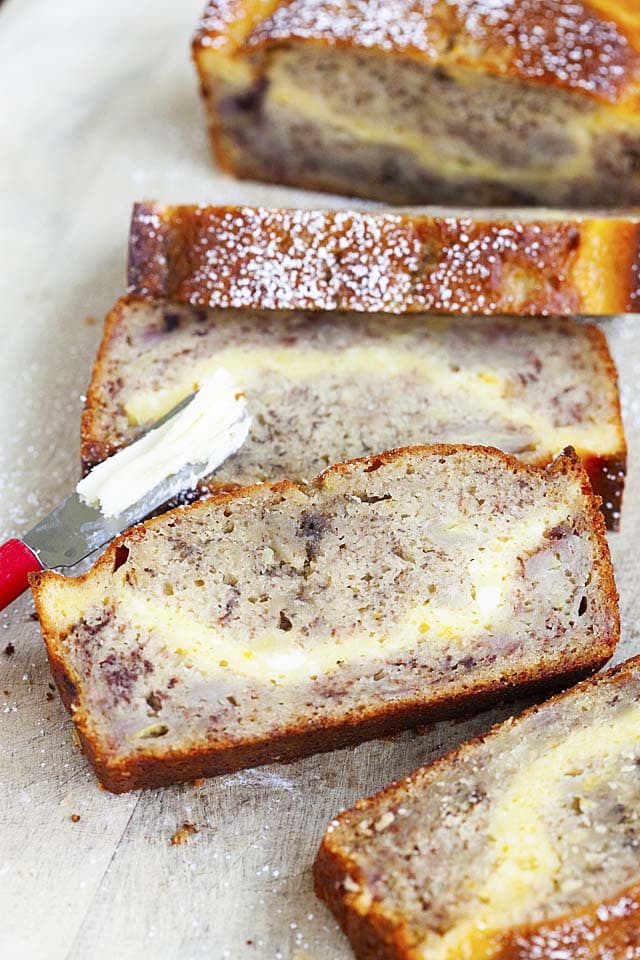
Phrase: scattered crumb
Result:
[9,650]
[75,817]
[75,737]
[49,695]
[33,616]
[90,321]
[182,835]
[198,782]
[51,687]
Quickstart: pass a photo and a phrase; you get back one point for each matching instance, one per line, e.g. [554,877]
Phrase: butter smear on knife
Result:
[176,454]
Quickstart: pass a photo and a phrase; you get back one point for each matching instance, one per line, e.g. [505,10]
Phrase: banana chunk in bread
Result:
[517,262]
[521,845]
[428,101]
[323,387]
[287,619]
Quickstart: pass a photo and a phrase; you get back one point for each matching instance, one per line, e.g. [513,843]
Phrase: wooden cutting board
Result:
[99,108]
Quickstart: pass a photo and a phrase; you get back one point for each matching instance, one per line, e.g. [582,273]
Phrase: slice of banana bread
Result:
[390,262]
[323,387]
[286,619]
[428,101]
[521,845]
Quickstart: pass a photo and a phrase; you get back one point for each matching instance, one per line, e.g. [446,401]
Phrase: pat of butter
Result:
[175,455]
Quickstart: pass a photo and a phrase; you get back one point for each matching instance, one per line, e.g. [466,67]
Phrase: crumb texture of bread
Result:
[324,387]
[522,844]
[286,619]
[428,101]
[393,262]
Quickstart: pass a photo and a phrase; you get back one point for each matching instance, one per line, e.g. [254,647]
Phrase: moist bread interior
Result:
[414,579]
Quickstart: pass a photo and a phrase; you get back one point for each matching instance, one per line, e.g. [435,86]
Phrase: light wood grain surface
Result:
[99,108]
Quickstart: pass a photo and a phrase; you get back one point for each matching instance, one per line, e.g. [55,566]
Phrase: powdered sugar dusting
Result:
[216,23]
[39,439]
[319,260]
[262,777]
[565,42]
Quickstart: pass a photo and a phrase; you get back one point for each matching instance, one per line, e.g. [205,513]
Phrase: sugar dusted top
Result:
[590,46]
[243,257]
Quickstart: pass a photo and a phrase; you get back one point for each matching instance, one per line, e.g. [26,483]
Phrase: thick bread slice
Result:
[521,845]
[287,619]
[324,387]
[388,262]
[428,101]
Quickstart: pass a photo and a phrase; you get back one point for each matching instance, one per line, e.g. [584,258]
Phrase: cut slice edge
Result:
[603,928]
[127,772]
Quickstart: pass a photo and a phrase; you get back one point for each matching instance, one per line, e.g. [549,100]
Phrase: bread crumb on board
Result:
[182,835]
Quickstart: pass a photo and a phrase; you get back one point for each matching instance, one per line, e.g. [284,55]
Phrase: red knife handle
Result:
[17,561]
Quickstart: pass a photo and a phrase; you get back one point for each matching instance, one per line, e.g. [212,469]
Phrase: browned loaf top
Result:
[285,619]
[521,845]
[422,101]
[323,387]
[281,259]
[590,47]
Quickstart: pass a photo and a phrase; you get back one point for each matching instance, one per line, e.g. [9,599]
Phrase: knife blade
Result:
[74,529]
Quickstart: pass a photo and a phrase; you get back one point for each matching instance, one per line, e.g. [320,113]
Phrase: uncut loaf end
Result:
[428,101]
[286,619]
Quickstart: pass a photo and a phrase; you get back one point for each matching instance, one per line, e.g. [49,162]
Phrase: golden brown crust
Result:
[225,24]
[607,476]
[384,262]
[595,932]
[588,47]
[374,934]
[145,770]
[94,448]
[602,931]
[608,473]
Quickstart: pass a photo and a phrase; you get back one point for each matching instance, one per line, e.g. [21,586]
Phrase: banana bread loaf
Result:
[325,387]
[428,101]
[521,845]
[389,262]
[286,619]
